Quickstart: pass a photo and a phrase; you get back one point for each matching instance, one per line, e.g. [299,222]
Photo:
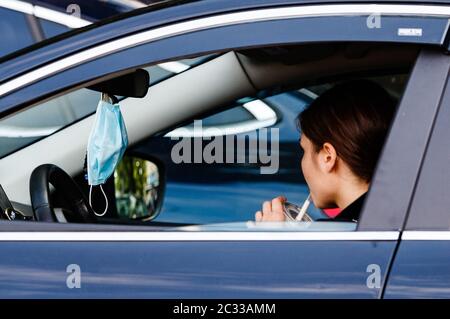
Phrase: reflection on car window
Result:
[12,24]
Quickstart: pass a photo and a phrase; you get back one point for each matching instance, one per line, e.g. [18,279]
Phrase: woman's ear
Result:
[327,158]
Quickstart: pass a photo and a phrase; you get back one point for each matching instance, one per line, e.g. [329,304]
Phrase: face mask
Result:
[107,143]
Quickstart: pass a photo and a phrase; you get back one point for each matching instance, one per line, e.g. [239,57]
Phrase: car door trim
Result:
[199,236]
[425,235]
[220,21]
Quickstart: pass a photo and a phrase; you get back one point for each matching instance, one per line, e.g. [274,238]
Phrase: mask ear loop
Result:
[90,202]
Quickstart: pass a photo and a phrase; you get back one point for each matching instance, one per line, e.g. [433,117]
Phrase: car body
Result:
[398,249]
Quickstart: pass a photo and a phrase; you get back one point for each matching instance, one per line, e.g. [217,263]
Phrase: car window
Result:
[15,31]
[227,195]
[217,193]
[51,28]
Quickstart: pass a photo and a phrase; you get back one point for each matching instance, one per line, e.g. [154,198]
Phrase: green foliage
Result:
[131,181]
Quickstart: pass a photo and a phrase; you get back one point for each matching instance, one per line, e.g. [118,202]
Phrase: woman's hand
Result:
[272,211]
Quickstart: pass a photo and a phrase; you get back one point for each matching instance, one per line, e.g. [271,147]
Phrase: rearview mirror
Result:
[139,188]
[134,84]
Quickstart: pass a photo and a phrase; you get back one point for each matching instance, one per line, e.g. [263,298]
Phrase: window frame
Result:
[430,203]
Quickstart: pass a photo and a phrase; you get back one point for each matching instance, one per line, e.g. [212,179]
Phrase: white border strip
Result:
[198,236]
[221,20]
[425,235]
[15,5]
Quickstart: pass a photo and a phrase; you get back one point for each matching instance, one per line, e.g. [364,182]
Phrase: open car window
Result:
[220,195]
[186,175]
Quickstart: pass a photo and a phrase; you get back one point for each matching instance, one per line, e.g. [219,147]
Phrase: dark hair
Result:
[354,117]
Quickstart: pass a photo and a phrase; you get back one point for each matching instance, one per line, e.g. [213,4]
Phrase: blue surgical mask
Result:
[107,143]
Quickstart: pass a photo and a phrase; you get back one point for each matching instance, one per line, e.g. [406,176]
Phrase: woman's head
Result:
[343,132]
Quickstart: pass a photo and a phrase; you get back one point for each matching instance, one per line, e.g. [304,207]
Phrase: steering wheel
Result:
[40,180]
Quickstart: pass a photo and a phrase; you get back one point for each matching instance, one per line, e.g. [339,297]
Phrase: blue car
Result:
[191,76]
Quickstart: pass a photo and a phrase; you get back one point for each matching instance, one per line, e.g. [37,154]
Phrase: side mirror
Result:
[139,188]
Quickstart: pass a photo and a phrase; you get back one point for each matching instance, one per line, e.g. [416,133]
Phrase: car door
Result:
[335,261]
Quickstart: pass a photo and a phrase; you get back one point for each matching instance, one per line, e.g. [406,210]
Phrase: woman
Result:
[343,132]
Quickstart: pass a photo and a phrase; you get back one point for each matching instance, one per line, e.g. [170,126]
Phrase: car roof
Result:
[153,15]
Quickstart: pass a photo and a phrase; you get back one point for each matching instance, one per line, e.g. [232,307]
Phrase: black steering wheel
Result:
[40,180]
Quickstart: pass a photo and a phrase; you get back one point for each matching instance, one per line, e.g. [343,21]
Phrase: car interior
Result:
[176,101]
